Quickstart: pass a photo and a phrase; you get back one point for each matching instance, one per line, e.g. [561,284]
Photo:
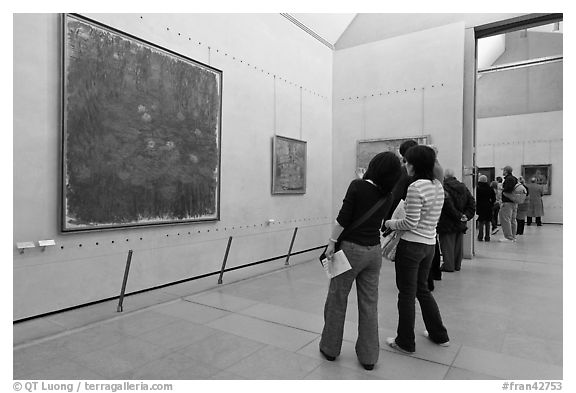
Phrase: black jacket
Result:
[398,193]
[508,186]
[485,198]
[457,201]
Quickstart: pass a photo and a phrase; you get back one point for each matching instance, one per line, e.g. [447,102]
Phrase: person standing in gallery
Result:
[522,209]
[361,245]
[485,199]
[459,207]
[497,186]
[509,209]
[401,187]
[399,193]
[415,252]
[536,207]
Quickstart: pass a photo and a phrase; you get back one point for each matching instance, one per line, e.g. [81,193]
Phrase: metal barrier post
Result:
[126,271]
[225,259]
[290,249]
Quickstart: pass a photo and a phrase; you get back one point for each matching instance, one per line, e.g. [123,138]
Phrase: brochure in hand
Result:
[338,265]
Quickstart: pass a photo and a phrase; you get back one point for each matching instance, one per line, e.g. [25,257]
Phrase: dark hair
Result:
[499,179]
[384,170]
[407,145]
[422,159]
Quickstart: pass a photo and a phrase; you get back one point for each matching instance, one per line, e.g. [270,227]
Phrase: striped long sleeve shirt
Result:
[423,206]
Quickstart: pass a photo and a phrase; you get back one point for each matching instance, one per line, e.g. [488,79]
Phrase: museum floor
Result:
[503,312]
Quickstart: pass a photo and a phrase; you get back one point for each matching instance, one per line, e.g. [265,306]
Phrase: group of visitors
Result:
[437,208]
[497,203]
[387,182]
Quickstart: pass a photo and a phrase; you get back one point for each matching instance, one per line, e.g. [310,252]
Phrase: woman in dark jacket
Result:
[485,198]
[361,245]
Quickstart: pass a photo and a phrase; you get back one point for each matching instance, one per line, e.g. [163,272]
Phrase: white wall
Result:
[490,49]
[400,87]
[86,267]
[371,27]
[518,140]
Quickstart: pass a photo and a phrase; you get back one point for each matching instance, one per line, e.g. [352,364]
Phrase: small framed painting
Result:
[288,165]
[542,174]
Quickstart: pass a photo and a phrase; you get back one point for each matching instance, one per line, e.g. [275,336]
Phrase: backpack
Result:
[518,195]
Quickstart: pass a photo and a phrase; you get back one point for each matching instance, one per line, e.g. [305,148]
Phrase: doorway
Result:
[517,108]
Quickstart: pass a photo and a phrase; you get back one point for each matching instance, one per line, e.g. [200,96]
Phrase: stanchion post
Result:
[291,245]
[225,259]
[126,271]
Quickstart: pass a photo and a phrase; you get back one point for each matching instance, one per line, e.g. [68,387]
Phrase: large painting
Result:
[288,166]
[542,174]
[141,131]
[367,149]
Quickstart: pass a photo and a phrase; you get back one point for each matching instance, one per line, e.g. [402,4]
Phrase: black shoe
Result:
[368,367]
[487,239]
[457,269]
[328,357]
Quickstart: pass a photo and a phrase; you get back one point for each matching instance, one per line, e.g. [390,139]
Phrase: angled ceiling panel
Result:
[367,28]
[328,26]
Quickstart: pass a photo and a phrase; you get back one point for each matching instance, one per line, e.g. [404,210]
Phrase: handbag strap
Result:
[365,216]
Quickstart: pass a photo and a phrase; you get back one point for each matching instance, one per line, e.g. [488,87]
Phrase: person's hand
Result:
[463,218]
[387,224]
[330,250]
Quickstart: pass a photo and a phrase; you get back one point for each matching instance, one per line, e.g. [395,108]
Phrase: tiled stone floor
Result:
[503,312]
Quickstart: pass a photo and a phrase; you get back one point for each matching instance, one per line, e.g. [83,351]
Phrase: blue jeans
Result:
[366,262]
[412,265]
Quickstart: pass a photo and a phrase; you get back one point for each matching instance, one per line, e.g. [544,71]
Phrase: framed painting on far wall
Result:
[542,174]
[489,172]
[368,148]
[141,130]
[288,165]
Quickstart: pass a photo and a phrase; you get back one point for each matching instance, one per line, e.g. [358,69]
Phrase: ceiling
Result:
[328,26]
[347,30]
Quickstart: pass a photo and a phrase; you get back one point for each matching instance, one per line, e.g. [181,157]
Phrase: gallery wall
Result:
[523,90]
[371,27]
[276,80]
[400,87]
[528,139]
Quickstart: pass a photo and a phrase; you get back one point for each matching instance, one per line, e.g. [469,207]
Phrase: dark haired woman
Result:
[415,251]
[361,245]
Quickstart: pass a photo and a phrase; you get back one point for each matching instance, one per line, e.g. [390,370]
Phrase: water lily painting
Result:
[141,132]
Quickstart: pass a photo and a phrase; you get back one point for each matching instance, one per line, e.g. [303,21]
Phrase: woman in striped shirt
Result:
[415,251]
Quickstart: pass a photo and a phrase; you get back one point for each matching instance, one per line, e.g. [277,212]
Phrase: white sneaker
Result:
[391,341]
[445,344]
[504,240]
[495,231]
